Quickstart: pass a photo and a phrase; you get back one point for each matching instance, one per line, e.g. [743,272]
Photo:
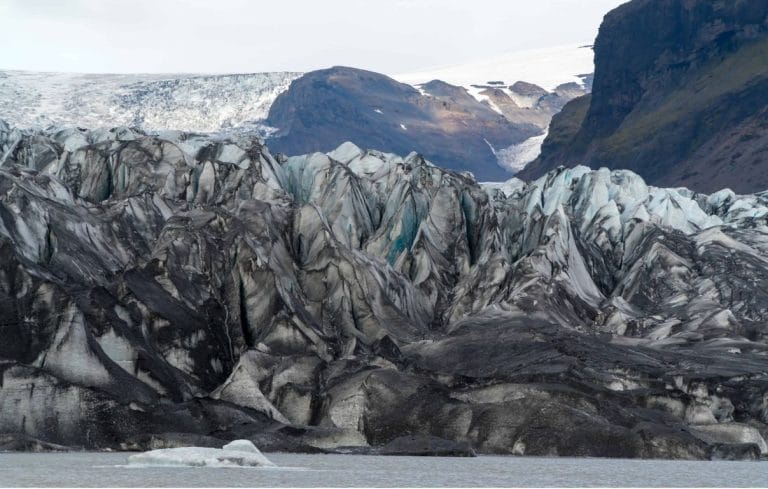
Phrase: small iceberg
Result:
[239,453]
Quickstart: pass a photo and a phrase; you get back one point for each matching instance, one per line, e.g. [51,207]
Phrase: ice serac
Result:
[159,291]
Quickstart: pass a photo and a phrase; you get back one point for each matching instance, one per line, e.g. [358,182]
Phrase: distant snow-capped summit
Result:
[526,87]
[545,67]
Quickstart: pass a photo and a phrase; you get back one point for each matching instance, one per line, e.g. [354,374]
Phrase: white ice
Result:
[239,453]
[188,102]
[517,156]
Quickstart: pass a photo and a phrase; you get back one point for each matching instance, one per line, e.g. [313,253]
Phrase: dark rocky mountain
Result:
[679,96]
[184,289]
[325,108]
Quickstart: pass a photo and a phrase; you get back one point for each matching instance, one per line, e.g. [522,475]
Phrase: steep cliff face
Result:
[678,96]
[186,289]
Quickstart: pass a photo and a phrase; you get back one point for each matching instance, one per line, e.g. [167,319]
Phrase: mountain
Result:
[325,108]
[553,77]
[546,68]
[500,125]
[679,96]
[481,109]
[204,103]
[186,289]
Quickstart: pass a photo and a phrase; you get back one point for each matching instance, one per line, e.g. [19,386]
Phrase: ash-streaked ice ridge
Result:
[190,289]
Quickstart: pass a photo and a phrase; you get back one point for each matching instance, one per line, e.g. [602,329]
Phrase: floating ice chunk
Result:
[239,453]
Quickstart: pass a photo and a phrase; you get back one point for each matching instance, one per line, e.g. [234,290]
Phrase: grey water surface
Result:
[110,470]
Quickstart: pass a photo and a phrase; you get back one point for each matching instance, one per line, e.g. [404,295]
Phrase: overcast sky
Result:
[219,36]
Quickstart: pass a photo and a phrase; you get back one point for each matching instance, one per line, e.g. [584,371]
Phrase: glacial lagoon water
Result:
[110,470]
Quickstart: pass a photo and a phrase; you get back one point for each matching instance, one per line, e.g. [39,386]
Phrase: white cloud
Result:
[243,36]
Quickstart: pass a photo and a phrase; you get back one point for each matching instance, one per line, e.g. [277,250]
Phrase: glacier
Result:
[178,288]
[152,102]
[515,157]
